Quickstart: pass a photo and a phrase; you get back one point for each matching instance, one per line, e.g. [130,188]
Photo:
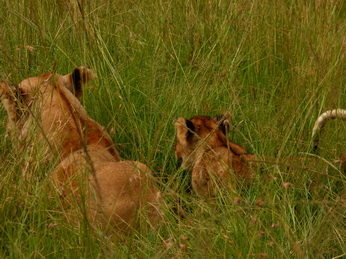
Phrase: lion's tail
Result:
[322,120]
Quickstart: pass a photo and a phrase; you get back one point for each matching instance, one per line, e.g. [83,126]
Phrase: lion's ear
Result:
[78,78]
[9,90]
[11,97]
[223,121]
[4,89]
[184,126]
[180,125]
[185,129]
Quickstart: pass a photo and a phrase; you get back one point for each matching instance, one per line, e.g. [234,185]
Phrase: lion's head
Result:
[31,87]
[30,95]
[47,108]
[198,133]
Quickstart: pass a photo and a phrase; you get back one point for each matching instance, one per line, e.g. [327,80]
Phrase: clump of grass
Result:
[274,66]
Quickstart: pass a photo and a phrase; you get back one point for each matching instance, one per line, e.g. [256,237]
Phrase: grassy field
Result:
[274,65]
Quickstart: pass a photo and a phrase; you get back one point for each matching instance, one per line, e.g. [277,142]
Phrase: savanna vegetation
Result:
[274,65]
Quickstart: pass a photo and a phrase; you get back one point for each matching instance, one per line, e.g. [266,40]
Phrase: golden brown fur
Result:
[9,100]
[114,191]
[202,145]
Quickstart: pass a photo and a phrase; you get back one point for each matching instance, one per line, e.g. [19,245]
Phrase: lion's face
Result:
[197,133]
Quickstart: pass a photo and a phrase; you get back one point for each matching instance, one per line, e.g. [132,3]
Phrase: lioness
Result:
[202,144]
[319,125]
[90,169]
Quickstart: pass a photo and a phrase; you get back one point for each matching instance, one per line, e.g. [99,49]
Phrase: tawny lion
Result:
[319,125]
[202,144]
[114,191]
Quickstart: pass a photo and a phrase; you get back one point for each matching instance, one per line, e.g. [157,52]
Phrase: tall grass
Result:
[275,65]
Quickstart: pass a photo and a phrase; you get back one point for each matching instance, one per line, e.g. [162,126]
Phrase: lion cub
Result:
[90,174]
[215,162]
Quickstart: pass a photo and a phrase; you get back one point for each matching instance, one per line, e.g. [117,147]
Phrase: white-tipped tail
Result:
[324,117]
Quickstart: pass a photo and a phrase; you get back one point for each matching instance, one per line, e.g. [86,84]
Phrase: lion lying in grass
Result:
[202,145]
[114,191]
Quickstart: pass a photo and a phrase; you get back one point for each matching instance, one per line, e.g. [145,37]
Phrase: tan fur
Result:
[214,160]
[319,125]
[9,100]
[114,191]
[325,117]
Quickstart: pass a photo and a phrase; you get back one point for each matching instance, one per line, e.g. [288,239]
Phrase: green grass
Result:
[275,65]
